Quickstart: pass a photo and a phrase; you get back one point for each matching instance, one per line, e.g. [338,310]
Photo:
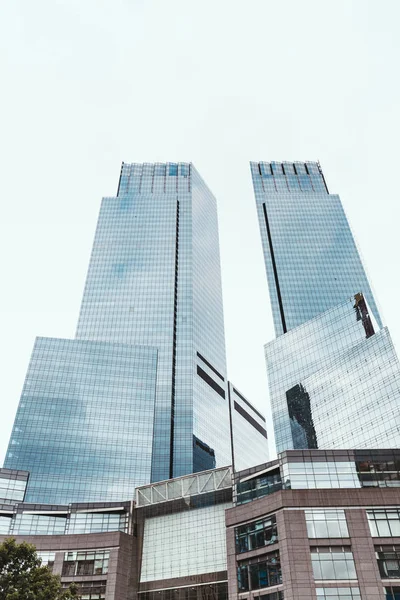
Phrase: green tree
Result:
[22,577]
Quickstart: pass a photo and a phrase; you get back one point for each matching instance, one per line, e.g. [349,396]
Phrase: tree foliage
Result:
[22,577]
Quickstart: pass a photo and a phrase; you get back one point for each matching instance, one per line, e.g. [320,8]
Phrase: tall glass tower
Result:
[333,374]
[310,255]
[141,394]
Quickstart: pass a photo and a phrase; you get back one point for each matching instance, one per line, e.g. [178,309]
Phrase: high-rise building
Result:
[311,259]
[141,394]
[334,377]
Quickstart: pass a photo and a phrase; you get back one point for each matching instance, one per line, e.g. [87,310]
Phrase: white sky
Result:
[88,84]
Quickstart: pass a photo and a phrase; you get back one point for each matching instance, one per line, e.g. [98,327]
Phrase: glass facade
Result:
[256,534]
[141,394]
[210,591]
[247,424]
[339,593]
[12,485]
[154,279]
[384,523]
[82,405]
[326,523]
[334,382]
[334,377]
[311,259]
[27,519]
[259,572]
[388,558]
[333,563]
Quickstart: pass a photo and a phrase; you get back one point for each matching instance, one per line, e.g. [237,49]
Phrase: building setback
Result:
[141,393]
[333,373]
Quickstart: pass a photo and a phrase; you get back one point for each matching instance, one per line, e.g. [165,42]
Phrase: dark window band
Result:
[210,381]
[209,365]
[248,404]
[278,289]
[250,419]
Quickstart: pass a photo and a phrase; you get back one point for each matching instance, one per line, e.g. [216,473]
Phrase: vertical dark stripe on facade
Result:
[231,426]
[120,175]
[278,290]
[171,444]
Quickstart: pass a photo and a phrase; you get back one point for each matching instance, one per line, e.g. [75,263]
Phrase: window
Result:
[173,169]
[333,562]
[5,522]
[342,593]
[388,558]
[384,523]
[392,593]
[271,596]
[260,486]
[91,590]
[259,572]
[210,591]
[85,563]
[256,534]
[39,524]
[98,522]
[47,558]
[326,524]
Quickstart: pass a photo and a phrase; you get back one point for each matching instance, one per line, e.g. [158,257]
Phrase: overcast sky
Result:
[87,84]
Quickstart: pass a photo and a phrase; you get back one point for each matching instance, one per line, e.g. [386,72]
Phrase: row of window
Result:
[256,534]
[35,524]
[210,591]
[86,563]
[320,523]
[91,590]
[259,572]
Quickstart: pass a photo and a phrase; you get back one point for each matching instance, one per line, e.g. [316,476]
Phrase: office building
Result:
[334,377]
[311,259]
[315,524]
[334,382]
[141,393]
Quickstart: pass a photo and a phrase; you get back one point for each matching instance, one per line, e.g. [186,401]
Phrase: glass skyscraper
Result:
[141,393]
[310,255]
[334,377]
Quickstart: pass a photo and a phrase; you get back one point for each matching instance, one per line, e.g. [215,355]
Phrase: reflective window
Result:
[384,523]
[211,591]
[98,522]
[392,593]
[321,475]
[5,522]
[35,524]
[326,523]
[381,470]
[91,590]
[342,593]
[388,558]
[333,563]
[85,563]
[259,572]
[258,487]
[256,534]
[47,558]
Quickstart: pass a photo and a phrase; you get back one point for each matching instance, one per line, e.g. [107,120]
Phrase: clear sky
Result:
[88,84]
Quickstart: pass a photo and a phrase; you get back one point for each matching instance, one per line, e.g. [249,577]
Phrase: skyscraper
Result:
[334,377]
[311,258]
[141,394]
